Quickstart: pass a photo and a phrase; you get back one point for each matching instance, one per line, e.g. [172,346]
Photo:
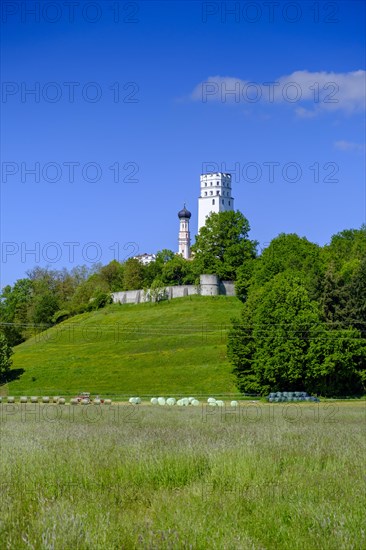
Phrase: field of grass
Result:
[262,477]
[176,347]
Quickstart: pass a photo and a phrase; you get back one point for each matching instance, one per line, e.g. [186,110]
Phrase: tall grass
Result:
[144,477]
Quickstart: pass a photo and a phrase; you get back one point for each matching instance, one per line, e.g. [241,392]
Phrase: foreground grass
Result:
[263,477]
[178,346]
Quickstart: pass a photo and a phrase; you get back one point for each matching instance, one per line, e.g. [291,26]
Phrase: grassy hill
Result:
[176,347]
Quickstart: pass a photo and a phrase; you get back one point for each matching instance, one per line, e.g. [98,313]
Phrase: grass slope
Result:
[176,347]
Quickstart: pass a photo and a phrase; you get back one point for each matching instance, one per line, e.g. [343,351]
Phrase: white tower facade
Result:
[215,195]
[184,238]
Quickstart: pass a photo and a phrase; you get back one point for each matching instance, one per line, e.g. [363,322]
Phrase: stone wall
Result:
[210,285]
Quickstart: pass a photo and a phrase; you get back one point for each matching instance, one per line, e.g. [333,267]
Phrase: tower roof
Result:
[184,213]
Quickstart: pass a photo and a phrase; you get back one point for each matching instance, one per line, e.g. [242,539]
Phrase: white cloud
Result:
[318,91]
[344,145]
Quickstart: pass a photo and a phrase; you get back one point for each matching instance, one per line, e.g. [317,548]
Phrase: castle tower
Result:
[215,195]
[184,239]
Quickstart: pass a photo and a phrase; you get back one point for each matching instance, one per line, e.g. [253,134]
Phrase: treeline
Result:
[303,324]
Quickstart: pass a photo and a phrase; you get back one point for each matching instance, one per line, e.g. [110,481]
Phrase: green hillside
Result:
[176,347]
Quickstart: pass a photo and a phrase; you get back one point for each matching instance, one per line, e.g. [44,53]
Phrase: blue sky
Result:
[146,90]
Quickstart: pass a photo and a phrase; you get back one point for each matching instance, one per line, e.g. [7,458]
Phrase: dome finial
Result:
[184,213]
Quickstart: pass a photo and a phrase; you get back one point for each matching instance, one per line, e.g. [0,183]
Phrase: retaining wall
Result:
[210,285]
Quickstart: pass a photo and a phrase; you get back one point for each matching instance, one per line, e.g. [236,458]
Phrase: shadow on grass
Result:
[13,374]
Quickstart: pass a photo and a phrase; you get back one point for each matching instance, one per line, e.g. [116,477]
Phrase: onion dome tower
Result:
[184,238]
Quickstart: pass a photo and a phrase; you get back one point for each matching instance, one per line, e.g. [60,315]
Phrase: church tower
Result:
[215,195]
[184,239]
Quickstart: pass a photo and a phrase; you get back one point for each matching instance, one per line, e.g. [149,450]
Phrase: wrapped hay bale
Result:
[24,399]
[154,400]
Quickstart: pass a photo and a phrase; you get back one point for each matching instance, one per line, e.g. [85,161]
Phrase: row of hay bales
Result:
[55,399]
[288,396]
[183,402]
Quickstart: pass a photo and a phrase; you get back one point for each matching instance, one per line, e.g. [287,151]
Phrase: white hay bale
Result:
[107,401]
[185,401]
[74,401]
[24,399]
[171,401]
[11,399]
[55,399]
[234,404]
[61,401]
[96,401]
[34,399]
[190,399]
[220,403]
[195,403]
[154,400]
[161,400]
[135,400]
[45,399]
[211,400]
[85,401]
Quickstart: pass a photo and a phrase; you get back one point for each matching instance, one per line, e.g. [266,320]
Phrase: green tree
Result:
[336,362]
[14,311]
[293,254]
[133,275]
[177,271]
[112,274]
[5,356]
[222,245]
[281,343]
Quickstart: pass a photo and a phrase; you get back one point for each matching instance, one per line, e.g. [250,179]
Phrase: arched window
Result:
[213,201]
[229,203]
[205,193]
[217,192]
[217,183]
[211,192]
[223,202]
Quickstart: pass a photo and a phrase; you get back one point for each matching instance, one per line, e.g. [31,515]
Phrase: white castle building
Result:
[215,197]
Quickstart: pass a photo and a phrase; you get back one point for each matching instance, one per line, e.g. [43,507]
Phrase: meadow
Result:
[260,476]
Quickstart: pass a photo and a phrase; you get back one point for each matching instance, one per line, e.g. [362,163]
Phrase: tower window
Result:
[217,183]
[213,201]
[217,192]
[229,203]
[223,202]
[205,183]
[205,193]
[211,192]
